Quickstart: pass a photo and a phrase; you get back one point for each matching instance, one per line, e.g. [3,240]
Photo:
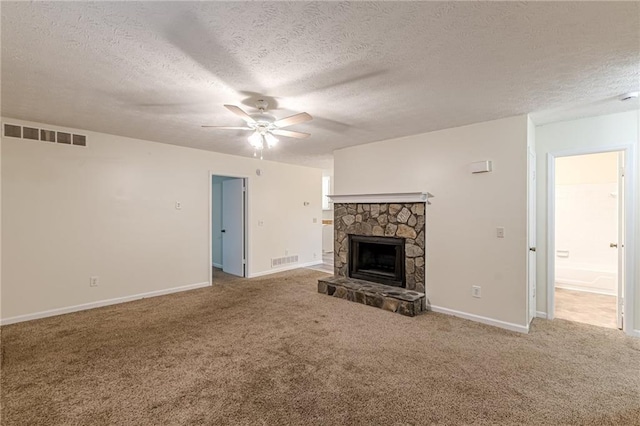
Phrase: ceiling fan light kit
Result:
[265,126]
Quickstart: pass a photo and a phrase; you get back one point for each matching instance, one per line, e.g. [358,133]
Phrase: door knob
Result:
[613,245]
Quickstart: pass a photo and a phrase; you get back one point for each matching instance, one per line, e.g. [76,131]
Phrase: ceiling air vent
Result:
[13,131]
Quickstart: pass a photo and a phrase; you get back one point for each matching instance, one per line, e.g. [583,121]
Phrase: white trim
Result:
[540,314]
[216,265]
[484,320]
[630,219]
[210,227]
[585,289]
[634,333]
[100,303]
[551,239]
[398,197]
[285,268]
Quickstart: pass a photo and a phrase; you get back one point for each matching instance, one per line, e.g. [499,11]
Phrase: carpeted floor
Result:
[272,351]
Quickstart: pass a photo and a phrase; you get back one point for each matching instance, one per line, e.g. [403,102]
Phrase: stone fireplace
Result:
[405,221]
[379,252]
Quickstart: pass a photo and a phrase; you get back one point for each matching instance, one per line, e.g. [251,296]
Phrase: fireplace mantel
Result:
[396,197]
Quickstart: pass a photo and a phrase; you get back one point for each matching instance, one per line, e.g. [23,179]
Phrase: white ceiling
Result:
[365,71]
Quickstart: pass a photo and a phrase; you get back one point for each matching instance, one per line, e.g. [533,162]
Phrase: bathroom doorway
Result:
[589,203]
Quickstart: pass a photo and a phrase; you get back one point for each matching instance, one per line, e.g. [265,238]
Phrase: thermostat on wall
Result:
[481,166]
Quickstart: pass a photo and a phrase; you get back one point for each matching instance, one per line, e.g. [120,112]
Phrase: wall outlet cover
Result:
[476,291]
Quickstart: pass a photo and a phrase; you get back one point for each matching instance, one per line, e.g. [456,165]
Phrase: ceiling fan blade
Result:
[229,128]
[240,113]
[290,134]
[294,119]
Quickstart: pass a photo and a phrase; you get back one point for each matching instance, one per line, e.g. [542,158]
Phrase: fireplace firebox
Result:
[377,259]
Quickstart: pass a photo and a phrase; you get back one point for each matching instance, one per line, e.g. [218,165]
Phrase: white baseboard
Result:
[285,268]
[216,265]
[481,319]
[540,314]
[634,333]
[100,303]
[585,289]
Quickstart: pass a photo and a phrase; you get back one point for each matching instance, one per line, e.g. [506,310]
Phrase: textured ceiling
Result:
[365,71]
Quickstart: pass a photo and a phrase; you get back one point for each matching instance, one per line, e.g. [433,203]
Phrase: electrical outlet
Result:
[500,232]
[286,252]
[93,281]
[178,205]
[476,291]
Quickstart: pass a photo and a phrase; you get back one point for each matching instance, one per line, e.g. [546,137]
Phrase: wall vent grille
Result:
[13,131]
[286,260]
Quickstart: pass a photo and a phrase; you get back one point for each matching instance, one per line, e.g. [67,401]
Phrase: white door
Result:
[619,245]
[233,227]
[531,234]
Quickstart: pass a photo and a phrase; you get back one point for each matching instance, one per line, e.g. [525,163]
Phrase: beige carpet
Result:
[272,351]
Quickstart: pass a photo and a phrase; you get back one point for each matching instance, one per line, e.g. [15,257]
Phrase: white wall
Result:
[601,131]
[108,210]
[462,248]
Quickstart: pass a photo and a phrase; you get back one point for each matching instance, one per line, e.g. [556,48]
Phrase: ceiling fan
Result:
[264,126]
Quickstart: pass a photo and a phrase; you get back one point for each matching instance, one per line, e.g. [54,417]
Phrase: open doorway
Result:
[589,196]
[228,225]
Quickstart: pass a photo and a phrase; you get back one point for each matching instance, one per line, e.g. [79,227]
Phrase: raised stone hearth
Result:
[405,302]
[382,242]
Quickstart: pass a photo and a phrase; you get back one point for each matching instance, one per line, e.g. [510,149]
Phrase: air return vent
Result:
[282,261]
[30,133]
[12,131]
[44,135]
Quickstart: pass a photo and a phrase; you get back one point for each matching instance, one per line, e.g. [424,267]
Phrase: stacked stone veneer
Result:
[382,219]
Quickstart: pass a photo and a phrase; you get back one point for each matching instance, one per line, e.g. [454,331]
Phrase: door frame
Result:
[630,243]
[532,219]
[245,243]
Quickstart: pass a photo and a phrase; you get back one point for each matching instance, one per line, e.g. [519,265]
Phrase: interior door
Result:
[531,233]
[619,246]
[233,227]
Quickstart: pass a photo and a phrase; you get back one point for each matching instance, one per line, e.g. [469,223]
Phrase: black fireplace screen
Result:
[377,259]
